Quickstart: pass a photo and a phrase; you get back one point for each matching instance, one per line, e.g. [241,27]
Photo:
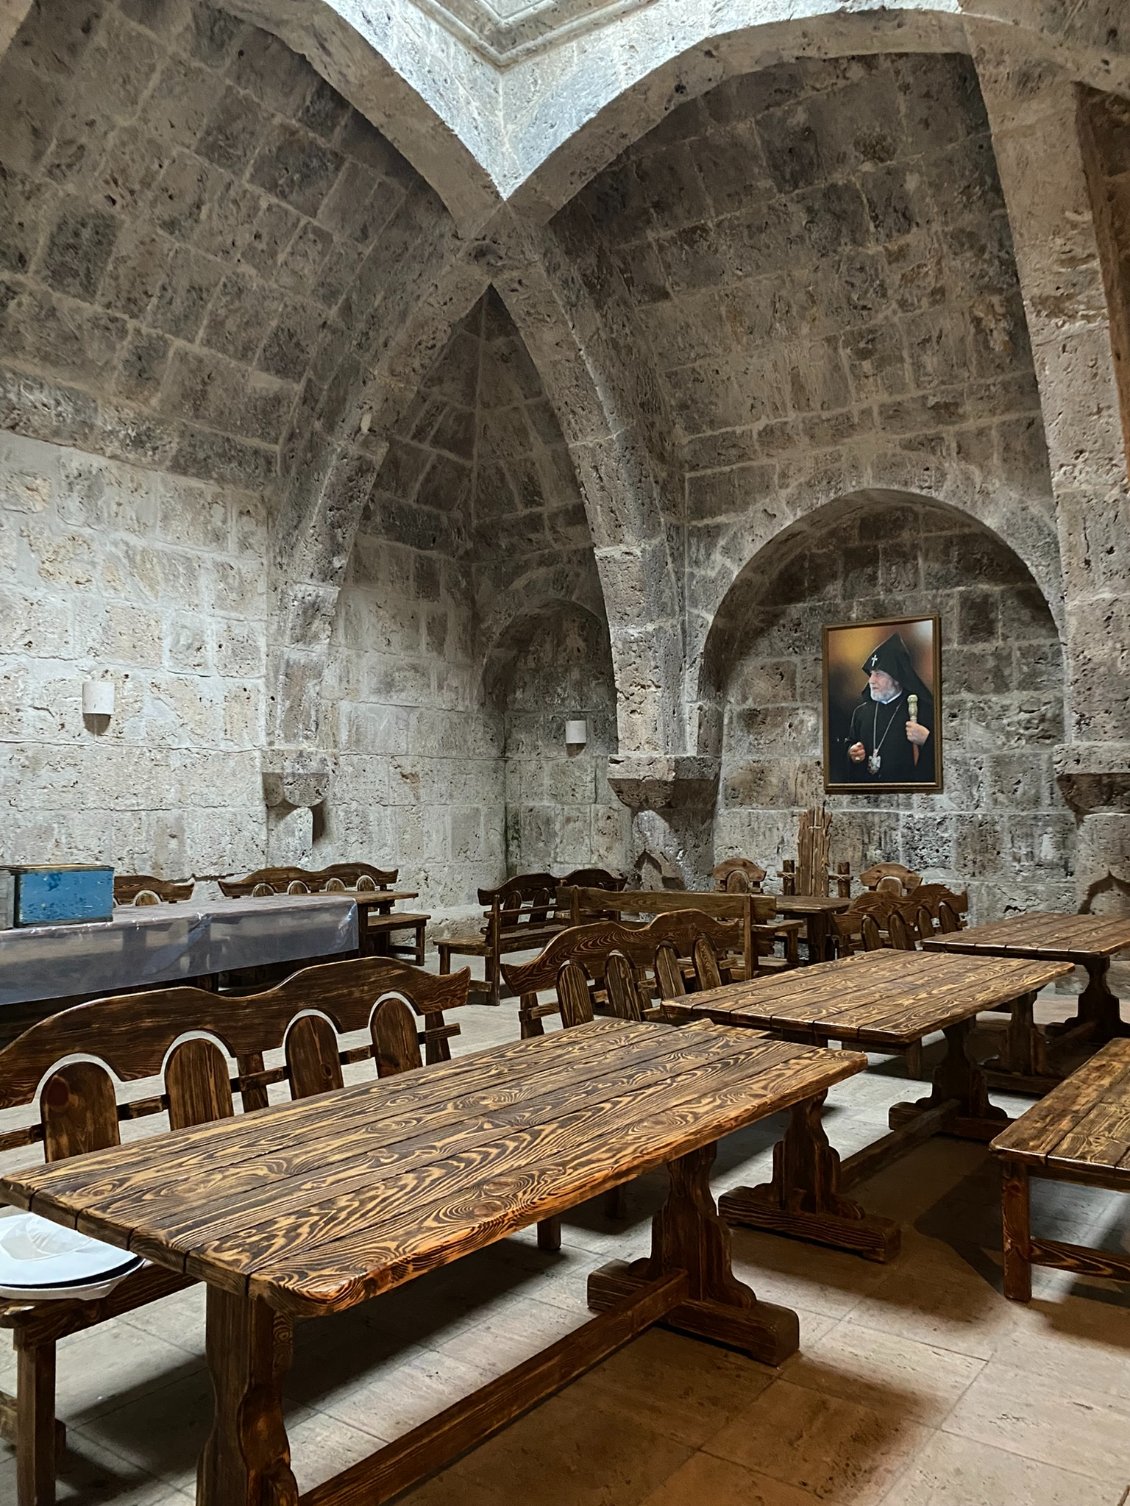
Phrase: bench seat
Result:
[379,928]
[1079,1132]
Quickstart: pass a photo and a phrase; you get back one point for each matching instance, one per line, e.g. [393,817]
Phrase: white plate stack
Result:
[40,1261]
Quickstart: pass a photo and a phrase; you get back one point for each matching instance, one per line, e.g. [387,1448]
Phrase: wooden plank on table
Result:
[1035,1135]
[333,1168]
[464,1163]
[955,999]
[352,1269]
[297,1142]
[270,1131]
[819,981]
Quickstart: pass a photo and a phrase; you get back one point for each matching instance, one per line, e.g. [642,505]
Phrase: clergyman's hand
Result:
[857,752]
[917,734]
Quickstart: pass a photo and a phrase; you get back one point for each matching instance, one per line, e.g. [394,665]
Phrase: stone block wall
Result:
[820,260]
[560,811]
[183,205]
[110,570]
[999,825]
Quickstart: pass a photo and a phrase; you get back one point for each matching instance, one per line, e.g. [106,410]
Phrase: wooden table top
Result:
[1083,1124]
[810,904]
[317,1205]
[1041,933]
[888,997]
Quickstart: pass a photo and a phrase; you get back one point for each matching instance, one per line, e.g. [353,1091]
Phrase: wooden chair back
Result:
[810,872]
[527,899]
[653,962]
[890,878]
[314,880]
[848,923]
[752,911]
[204,1049]
[932,896]
[903,931]
[739,876]
[144,889]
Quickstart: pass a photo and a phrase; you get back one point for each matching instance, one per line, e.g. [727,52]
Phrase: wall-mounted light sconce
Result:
[98,698]
[576,733]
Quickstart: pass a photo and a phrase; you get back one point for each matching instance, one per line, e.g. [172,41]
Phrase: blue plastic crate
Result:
[62,894]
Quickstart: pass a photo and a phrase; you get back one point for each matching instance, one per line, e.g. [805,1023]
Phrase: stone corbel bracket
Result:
[296,777]
[1094,778]
[663,782]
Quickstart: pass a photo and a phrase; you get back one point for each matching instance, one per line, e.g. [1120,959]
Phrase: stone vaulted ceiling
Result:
[503,29]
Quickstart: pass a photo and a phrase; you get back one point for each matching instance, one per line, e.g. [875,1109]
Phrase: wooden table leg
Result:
[804,1198]
[1024,1065]
[687,1235]
[1098,1018]
[958,1081]
[246,1461]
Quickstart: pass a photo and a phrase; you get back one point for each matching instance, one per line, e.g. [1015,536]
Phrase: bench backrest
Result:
[892,878]
[72,1063]
[749,910]
[533,899]
[739,876]
[144,889]
[654,957]
[309,880]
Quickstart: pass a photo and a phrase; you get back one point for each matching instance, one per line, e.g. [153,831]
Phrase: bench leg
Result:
[494,979]
[687,1235]
[246,1461]
[37,1435]
[420,944]
[1016,1223]
[444,958]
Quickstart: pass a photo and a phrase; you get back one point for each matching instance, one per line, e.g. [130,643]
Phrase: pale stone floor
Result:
[917,1384]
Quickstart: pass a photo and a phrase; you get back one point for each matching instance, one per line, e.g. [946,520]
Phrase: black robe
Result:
[896,751]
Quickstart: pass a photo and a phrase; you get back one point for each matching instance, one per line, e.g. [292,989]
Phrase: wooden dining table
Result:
[309,1208]
[816,911]
[890,1000]
[1033,1059]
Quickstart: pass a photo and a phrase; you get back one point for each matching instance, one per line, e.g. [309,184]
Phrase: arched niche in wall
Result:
[553,665]
[999,825]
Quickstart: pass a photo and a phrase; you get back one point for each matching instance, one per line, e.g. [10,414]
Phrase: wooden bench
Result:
[753,912]
[144,889]
[1080,1132]
[129,1038]
[371,889]
[520,915]
[659,956]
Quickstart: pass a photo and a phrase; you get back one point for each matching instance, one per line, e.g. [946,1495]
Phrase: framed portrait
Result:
[882,705]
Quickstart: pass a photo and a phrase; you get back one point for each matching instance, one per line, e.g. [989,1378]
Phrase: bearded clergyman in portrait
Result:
[892,728]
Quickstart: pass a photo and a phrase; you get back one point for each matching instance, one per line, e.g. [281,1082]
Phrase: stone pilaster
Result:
[672,804]
[1034,114]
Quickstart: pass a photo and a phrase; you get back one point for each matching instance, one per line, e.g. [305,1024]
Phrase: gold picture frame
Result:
[866,746]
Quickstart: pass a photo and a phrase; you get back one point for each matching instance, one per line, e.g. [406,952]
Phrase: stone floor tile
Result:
[389,1399]
[708,1481]
[89,1475]
[177,1319]
[836,1449]
[954,1471]
[568,1453]
[1054,1421]
[675,1385]
[865,1365]
[810,1278]
[109,1366]
[935,1305]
